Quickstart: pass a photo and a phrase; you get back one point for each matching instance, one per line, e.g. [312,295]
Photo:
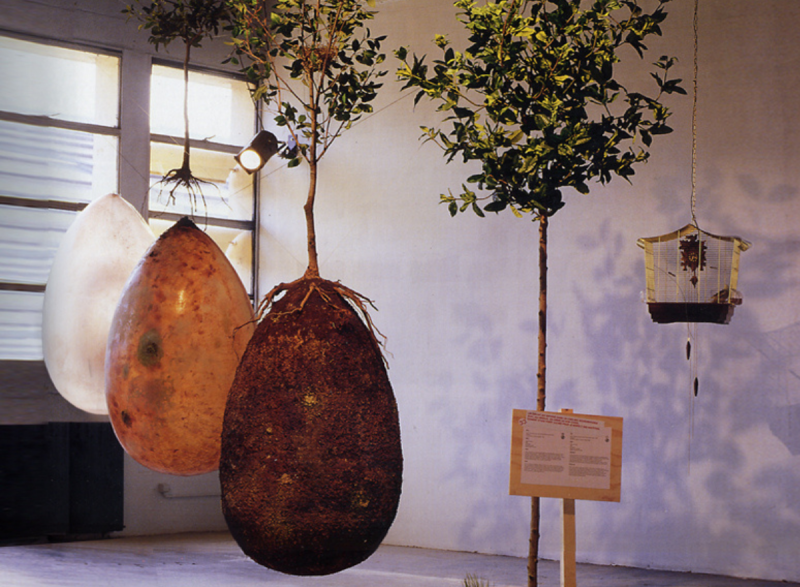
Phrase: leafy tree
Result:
[535,99]
[191,21]
[316,65]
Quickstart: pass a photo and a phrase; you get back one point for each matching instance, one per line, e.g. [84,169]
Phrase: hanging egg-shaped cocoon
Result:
[180,329]
[96,256]
[240,253]
[311,463]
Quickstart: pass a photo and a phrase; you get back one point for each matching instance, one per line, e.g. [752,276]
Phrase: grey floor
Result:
[206,560]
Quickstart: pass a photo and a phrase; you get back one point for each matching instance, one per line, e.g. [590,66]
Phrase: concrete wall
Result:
[710,484]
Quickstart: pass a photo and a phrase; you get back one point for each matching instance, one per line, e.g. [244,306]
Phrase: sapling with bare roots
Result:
[311,465]
[191,21]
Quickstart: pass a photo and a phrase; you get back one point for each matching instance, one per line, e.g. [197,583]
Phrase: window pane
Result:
[29,239]
[21,326]
[64,84]
[42,163]
[236,244]
[227,195]
[220,108]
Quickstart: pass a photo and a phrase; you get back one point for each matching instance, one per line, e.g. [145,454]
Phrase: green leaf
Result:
[495,206]
[516,136]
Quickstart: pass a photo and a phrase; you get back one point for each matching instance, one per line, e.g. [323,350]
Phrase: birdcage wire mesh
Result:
[692,275]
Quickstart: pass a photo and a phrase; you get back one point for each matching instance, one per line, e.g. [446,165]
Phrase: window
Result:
[221,121]
[59,150]
[59,137]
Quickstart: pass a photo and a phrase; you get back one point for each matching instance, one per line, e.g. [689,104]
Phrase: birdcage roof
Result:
[689,229]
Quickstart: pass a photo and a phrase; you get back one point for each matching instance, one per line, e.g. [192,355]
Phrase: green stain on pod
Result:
[150,348]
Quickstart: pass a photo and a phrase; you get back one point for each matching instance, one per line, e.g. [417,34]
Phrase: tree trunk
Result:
[185,164]
[533,545]
[313,263]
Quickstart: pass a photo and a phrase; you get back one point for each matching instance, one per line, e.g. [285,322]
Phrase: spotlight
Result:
[254,156]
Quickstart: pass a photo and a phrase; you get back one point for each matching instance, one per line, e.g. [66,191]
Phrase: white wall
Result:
[709,484]
[457,300]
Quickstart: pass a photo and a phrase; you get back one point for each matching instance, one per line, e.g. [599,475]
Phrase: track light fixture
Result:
[255,155]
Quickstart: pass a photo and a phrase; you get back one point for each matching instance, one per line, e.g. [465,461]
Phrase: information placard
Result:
[566,455]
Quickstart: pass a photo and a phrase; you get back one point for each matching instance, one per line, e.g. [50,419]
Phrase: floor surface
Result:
[215,560]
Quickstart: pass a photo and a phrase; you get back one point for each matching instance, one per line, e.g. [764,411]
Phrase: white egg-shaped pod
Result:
[240,253]
[97,255]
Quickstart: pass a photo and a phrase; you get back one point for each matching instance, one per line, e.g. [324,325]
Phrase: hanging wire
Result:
[691,338]
[691,356]
[694,116]
[692,334]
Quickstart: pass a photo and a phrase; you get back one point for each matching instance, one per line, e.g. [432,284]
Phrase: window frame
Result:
[46,121]
[252,224]
[133,158]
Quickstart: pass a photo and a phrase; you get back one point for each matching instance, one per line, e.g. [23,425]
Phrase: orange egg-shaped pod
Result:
[179,331]
[94,260]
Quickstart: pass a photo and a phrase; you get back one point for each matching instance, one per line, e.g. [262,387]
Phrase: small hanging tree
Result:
[534,98]
[191,21]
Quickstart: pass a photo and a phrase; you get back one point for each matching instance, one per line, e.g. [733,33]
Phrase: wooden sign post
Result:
[568,576]
[567,456]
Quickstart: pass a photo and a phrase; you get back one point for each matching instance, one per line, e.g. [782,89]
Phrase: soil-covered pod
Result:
[311,465]
[94,261]
[179,331]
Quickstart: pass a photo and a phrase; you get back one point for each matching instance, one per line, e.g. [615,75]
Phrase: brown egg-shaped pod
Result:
[180,328]
[311,464]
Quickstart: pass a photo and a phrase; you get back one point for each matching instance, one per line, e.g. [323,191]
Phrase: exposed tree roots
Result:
[355,299]
[182,177]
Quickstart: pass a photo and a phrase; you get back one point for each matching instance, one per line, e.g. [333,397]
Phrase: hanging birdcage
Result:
[692,275]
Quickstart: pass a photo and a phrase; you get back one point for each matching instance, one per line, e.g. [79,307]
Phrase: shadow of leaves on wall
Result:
[695,491]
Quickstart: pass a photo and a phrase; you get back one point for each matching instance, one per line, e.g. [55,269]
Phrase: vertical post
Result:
[568,578]
[134,122]
[568,547]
